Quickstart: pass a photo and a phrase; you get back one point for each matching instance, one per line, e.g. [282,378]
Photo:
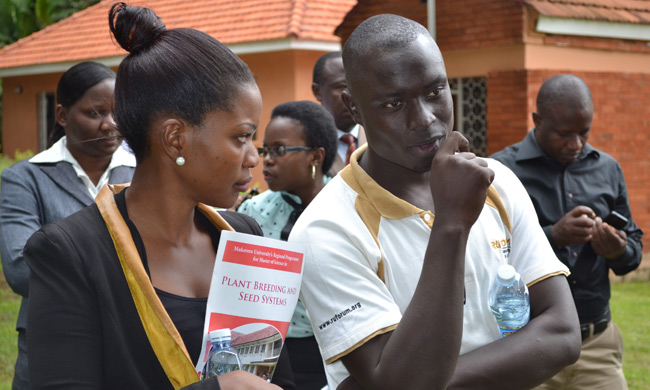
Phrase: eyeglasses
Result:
[278,151]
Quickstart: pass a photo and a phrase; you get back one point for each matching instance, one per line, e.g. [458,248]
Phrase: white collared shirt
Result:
[343,147]
[59,152]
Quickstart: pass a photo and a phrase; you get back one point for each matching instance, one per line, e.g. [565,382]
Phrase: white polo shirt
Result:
[365,250]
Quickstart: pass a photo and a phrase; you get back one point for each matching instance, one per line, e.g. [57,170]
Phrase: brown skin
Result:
[328,93]
[562,130]
[90,130]
[403,101]
[219,155]
[292,172]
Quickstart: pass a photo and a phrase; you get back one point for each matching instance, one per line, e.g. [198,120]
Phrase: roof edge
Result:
[237,48]
[593,28]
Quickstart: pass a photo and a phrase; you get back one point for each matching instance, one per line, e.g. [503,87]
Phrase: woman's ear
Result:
[173,137]
[61,115]
[317,157]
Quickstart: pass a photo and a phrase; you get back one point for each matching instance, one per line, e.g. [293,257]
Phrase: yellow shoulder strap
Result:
[161,332]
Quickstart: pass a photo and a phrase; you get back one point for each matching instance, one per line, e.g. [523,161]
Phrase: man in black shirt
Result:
[573,187]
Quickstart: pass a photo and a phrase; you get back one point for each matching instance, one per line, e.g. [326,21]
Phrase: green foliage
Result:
[0,114]
[19,18]
[6,162]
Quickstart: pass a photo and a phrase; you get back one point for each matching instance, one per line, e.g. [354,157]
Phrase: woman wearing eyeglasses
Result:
[299,147]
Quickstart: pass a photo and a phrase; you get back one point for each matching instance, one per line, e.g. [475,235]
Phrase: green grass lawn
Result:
[9,304]
[630,307]
[631,311]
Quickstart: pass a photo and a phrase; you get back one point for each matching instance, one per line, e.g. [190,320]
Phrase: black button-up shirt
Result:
[594,180]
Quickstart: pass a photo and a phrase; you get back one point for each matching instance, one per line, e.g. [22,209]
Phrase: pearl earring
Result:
[180,161]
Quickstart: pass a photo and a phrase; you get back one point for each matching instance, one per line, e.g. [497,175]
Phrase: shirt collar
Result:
[530,149]
[54,154]
[387,204]
[59,152]
[354,131]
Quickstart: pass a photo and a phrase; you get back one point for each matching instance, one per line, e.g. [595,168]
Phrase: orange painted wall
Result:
[20,111]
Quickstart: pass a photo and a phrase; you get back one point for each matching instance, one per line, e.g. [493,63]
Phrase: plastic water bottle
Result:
[509,301]
[222,358]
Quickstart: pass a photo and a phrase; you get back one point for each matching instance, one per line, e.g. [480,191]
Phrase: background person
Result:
[399,234]
[328,84]
[61,180]
[118,291]
[299,147]
[573,186]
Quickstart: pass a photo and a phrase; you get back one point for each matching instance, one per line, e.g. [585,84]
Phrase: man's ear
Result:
[351,106]
[315,89]
[173,137]
[61,115]
[537,119]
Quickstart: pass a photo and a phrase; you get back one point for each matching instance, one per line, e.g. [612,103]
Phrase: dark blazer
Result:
[79,293]
[33,195]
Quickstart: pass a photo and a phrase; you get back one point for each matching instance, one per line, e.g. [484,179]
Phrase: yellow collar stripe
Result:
[374,202]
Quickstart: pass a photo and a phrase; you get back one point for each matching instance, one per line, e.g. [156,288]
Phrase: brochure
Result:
[254,291]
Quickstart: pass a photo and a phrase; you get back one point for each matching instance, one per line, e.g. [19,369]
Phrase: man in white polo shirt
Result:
[395,297]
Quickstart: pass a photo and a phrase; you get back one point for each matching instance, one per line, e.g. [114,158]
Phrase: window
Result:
[470,108]
[45,108]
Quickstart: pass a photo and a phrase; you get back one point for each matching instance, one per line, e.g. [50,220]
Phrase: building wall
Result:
[20,111]
[478,23]
[507,108]
[412,9]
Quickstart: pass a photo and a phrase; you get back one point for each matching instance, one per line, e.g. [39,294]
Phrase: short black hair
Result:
[73,85]
[563,89]
[183,72]
[320,65]
[385,31]
[318,124]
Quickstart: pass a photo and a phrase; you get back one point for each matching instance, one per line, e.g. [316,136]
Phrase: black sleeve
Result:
[61,303]
[283,376]
[242,223]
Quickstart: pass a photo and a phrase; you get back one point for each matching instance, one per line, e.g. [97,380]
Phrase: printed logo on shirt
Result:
[503,246]
[340,315]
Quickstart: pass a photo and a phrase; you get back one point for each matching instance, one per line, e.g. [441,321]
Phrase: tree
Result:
[19,18]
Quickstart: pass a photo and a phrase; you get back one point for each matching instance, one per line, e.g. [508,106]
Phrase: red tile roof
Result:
[85,35]
[625,11]
[261,334]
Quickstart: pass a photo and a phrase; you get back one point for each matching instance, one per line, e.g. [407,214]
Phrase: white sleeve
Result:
[347,302]
[531,254]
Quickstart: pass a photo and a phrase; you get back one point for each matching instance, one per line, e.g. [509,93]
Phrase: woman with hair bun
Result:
[118,291]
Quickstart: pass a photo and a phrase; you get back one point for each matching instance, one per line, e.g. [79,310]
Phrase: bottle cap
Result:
[219,333]
[506,274]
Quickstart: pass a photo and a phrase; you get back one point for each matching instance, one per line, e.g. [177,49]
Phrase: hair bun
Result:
[134,28]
